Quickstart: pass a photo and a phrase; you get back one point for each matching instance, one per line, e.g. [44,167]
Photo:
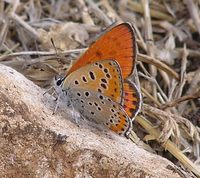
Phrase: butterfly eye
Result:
[59,81]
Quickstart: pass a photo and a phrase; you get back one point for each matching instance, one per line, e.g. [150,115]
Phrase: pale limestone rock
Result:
[35,143]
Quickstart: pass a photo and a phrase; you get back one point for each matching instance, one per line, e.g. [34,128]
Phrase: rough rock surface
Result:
[35,143]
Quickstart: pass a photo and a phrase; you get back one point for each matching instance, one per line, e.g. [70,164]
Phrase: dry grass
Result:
[168,35]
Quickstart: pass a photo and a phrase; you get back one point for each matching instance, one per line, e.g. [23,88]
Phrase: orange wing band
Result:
[117,44]
[132,99]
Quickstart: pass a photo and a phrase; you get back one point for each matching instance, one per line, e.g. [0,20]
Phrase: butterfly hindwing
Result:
[100,109]
[132,99]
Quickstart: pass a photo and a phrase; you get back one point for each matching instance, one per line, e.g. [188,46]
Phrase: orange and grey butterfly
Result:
[86,94]
[118,44]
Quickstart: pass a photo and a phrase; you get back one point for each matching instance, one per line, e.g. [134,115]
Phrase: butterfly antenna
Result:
[48,90]
[57,53]
[52,42]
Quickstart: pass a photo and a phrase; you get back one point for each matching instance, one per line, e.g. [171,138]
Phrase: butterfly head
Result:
[58,83]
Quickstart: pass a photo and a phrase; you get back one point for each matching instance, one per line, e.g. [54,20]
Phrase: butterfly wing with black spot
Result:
[101,109]
[132,99]
[102,76]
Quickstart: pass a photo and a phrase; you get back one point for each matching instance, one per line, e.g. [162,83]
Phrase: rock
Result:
[35,143]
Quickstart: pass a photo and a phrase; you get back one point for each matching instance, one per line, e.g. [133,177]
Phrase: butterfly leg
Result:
[60,97]
[58,100]
[76,116]
[57,97]
[48,90]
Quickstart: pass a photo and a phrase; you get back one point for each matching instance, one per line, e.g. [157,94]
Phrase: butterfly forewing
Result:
[102,76]
[118,43]
[100,109]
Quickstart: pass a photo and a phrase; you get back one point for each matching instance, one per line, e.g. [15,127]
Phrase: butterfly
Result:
[97,85]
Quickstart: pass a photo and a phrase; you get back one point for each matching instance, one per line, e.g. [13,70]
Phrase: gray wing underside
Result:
[100,109]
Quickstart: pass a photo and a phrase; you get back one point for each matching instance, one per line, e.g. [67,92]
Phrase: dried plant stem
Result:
[84,11]
[159,64]
[149,40]
[3,32]
[168,145]
[189,129]
[32,31]
[98,12]
[135,139]
[150,44]
[153,80]
[183,74]
[149,109]
[111,12]
[181,99]
[171,28]
[140,40]
[137,7]
[192,8]
[141,57]
[9,50]
[41,53]
[147,94]
[192,53]
[24,24]
[192,88]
